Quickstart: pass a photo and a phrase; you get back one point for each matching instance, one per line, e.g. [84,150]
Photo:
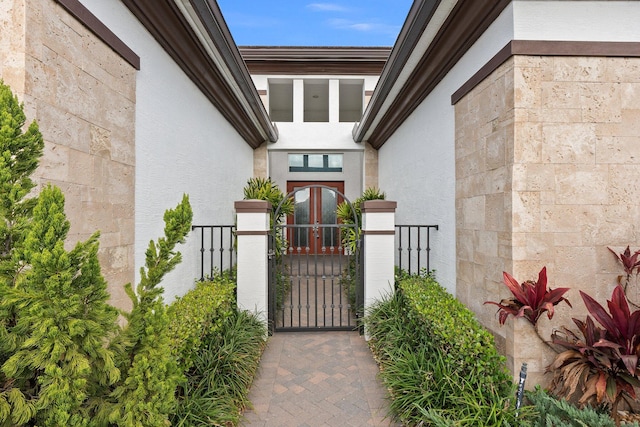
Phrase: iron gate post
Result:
[252,232]
[378,229]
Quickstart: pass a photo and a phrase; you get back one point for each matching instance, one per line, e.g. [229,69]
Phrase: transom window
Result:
[315,162]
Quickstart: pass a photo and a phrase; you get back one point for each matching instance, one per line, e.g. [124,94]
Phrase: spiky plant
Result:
[600,364]
[530,299]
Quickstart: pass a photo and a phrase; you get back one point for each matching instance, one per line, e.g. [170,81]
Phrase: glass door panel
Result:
[329,217]
[314,214]
[301,216]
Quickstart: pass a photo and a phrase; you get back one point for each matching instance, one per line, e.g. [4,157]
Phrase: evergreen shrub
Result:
[561,413]
[64,359]
[198,314]
[439,364]
[454,329]
[222,351]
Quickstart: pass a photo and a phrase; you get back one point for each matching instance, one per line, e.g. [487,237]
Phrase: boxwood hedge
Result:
[439,364]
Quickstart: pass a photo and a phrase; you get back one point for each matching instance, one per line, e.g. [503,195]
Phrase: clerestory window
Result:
[315,162]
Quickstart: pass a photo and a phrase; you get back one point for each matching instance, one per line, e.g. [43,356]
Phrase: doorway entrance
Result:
[315,283]
[314,214]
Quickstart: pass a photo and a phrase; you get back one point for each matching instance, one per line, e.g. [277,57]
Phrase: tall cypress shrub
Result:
[64,360]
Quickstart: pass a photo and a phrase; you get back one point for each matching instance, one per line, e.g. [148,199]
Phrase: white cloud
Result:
[327,7]
[345,24]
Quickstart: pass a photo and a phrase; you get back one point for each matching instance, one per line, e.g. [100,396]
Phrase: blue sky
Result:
[309,23]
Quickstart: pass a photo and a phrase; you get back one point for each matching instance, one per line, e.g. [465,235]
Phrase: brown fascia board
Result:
[466,23]
[417,21]
[93,24]
[168,26]
[315,59]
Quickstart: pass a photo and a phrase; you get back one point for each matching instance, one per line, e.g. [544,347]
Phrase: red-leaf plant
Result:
[630,263]
[530,299]
[602,365]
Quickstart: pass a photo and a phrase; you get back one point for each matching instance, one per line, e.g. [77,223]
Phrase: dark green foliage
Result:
[401,274]
[265,189]
[440,366]
[223,368]
[352,214]
[281,206]
[552,412]
[454,329]
[198,314]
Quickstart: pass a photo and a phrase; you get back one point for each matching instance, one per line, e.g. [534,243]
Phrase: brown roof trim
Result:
[315,59]
[465,24]
[379,206]
[546,48]
[169,27]
[93,24]
[252,206]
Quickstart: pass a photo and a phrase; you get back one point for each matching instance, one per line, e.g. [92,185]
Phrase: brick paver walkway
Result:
[317,379]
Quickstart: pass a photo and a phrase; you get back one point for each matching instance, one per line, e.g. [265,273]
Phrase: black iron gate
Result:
[315,274]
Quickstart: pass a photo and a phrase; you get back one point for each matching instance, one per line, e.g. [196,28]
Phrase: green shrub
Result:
[438,363]
[468,347]
[352,214]
[560,413]
[64,360]
[197,314]
[217,385]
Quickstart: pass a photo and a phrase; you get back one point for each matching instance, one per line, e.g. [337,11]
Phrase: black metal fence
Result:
[413,243]
[217,248]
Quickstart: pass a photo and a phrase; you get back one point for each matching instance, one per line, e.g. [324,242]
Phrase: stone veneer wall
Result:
[82,94]
[370,167]
[260,161]
[547,157]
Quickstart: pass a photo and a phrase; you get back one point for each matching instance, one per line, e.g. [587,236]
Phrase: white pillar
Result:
[298,101]
[252,231]
[334,101]
[378,229]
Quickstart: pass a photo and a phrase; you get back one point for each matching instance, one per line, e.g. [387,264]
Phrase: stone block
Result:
[527,89]
[618,149]
[495,216]
[474,212]
[526,211]
[601,102]
[579,69]
[562,218]
[569,143]
[624,70]
[527,143]
[540,177]
[559,95]
[582,185]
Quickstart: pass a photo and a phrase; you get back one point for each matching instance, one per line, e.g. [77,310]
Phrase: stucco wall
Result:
[417,163]
[424,164]
[183,145]
[123,145]
[82,95]
[544,173]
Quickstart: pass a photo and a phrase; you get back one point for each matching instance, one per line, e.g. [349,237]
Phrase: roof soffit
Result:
[315,60]
[429,46]
[195,35]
